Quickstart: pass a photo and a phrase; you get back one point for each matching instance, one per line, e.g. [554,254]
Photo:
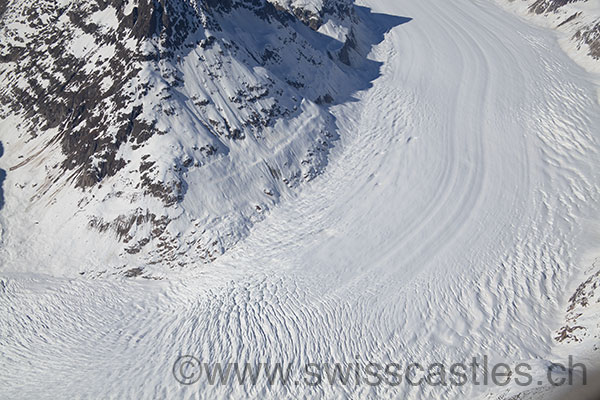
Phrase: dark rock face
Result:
[544,6]
[149,100]
[3,5]
[585,295]
[309,18]
[74,101]
[591,37]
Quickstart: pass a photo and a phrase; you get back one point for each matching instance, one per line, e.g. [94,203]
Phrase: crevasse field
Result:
[457,215]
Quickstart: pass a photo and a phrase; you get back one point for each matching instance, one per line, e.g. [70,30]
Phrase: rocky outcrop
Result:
[545,6]
[214,107]
[590,37]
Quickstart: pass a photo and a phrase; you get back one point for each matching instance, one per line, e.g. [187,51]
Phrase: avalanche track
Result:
[451,223]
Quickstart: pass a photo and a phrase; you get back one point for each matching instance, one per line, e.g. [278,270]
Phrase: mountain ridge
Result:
[131,106]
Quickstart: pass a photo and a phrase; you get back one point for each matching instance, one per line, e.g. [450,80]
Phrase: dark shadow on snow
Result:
[372,30]
[351,58]
[380,24]
[359,70]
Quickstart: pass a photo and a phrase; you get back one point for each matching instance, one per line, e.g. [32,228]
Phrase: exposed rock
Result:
[544,6]
[131,105]
[583,23]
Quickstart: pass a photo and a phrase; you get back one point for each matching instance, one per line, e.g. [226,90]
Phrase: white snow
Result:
[107,83]
[106,18]
[82,44]
[451,222]
[569,21]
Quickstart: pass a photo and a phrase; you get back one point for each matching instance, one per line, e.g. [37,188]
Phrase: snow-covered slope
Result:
[457,215]
[578,22]
[160,132]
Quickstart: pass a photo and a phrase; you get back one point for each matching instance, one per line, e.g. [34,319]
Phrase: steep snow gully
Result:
[457,210]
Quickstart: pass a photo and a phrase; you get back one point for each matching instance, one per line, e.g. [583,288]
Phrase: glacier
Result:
[456,216]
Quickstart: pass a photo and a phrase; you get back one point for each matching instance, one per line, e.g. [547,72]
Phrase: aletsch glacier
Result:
[448,210]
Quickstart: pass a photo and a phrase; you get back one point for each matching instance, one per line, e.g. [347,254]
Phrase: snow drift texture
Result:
[457,216]
[577,20]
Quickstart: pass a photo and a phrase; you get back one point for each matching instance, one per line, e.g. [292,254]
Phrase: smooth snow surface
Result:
[451,223]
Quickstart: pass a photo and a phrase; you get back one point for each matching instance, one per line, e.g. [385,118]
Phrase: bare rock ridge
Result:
[581,320]
[54,105]
[170,126]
